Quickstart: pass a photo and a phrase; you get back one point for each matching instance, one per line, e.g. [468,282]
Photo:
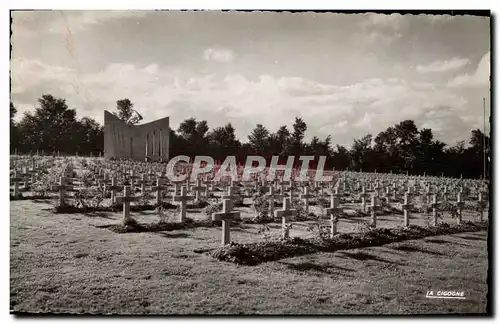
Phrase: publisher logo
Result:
[445,294]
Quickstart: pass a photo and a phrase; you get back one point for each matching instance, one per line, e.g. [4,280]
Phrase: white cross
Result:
[126,200]
[373,208]
[406,209]
[284,214]
[305,196]
[272,195]
[334,213]
[183,198]
[226,216]
[62,187]
[159,188]
[113,188]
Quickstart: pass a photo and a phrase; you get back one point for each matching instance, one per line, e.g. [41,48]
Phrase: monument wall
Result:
[136,141]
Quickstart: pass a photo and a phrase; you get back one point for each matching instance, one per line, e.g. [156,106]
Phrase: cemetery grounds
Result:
[74,254]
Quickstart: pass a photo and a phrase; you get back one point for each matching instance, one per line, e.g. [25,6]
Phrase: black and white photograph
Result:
[257,162]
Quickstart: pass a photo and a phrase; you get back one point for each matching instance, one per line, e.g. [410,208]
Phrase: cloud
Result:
[392,21]
[437,19]
[343,111]
[26,73]
[78,21]
[381,29]
[218,55]
[443,66]
[480,78]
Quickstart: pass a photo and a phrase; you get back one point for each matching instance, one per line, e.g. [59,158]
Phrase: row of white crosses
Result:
[230,195]
[127,198]
[29,174]
[226,215]
[183,198]
[30,169]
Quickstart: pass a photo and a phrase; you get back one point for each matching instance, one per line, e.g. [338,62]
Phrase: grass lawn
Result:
[62,263]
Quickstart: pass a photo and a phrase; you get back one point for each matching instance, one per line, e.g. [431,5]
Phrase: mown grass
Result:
[62,263]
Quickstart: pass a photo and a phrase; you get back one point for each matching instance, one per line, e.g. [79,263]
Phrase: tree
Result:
[187,129]
[193,137]
[201,129]
[279,142]
[386,151]
[359,153]
[259,140]
[91,138]
[299,130]
[50,128]
[406,132]
[341,158]
[319,148]
[223,141]
[14,133]
[53,127]
[478,140]
[13,112]
[126,112]
[429,153]
[475,155]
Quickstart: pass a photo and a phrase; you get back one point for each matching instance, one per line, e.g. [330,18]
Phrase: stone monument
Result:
[148,141]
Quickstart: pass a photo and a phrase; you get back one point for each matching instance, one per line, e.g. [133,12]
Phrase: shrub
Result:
[212,208]
[164,215]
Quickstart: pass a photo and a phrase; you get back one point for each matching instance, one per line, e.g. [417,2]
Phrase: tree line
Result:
[401,148]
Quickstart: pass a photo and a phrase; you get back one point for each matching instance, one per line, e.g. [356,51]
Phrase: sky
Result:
[345,75]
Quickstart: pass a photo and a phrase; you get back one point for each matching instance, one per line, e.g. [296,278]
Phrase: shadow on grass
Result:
[351,220]
[34,198]
[438,241]
[363,256]
[472,238]
[173,235]
[409,248]
[308,266]
[239,229]
[100,215]
[135,227]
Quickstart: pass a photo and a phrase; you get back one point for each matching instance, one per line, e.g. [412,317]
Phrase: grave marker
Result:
[272,195]
[113,188]
[460,205]
[183,198]
[126,200]
[159,188]
[334,213]
[231,195]
[373,208]
[62,187]
[363,198]
[284,213]
[15,180]
[306,196]
[406,209]
[197,189]
[434,211]
[481,205]
[226,216]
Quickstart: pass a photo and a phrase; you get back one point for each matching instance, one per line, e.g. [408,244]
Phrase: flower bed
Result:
[255,253]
